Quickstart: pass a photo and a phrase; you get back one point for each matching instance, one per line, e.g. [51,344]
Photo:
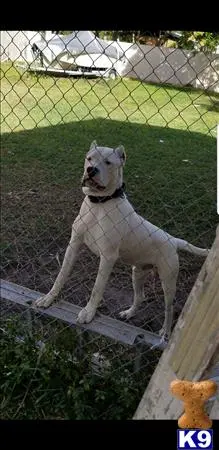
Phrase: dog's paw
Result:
[127,314]
[86,315]
[44,302]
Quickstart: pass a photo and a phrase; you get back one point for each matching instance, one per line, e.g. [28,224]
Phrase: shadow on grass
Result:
[170,174]
[213,106]
[170,177]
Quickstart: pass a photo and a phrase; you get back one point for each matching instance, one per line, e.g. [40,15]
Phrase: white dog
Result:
[109,226]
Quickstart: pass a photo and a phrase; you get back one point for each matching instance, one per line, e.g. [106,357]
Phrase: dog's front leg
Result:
[105,268]
[69,259]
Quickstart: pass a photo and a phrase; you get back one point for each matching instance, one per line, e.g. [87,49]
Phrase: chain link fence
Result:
[58,94]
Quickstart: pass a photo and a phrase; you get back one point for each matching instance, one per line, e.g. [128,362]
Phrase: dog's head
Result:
[103,170]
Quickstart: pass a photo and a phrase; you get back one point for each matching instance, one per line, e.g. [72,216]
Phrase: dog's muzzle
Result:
[92,171]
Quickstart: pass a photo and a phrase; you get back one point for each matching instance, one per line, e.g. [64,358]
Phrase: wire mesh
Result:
[59,93]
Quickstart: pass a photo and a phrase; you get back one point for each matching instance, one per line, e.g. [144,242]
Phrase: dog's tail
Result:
[187,247]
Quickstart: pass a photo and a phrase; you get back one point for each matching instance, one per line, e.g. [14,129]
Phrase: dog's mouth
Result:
[90,182]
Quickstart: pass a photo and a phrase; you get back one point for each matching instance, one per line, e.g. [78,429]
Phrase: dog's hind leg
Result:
[138,280]
[168,276]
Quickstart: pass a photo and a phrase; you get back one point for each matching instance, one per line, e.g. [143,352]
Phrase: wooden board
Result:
[192,345]
[67,312]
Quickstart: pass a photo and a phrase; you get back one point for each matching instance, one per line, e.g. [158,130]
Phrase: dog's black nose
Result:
[92,171]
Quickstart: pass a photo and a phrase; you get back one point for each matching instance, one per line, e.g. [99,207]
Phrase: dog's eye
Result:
[89,158]
[108,162]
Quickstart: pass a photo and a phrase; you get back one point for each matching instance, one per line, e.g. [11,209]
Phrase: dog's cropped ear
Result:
[93,145]
[120,151]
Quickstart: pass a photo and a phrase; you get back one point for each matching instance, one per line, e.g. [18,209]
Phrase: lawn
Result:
[48,124]
[30,100]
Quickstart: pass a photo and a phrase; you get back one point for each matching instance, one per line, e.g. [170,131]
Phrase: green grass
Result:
[55,382]
[30,101]
[48,124]
[170,175]
[166,181]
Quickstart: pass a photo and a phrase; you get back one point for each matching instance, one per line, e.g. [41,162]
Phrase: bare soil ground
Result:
[37,224]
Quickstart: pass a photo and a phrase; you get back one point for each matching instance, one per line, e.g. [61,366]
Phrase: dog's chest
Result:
[101,235]
[104,227]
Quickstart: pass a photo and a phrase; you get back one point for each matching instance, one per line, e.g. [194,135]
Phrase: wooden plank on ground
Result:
[106,326]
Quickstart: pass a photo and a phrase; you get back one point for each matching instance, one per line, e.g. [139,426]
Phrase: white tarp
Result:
[76,43]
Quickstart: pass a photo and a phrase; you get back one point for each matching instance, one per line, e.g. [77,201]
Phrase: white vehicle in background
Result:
[79,53]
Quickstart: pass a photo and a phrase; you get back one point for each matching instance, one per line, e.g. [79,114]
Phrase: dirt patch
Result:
[36,227]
